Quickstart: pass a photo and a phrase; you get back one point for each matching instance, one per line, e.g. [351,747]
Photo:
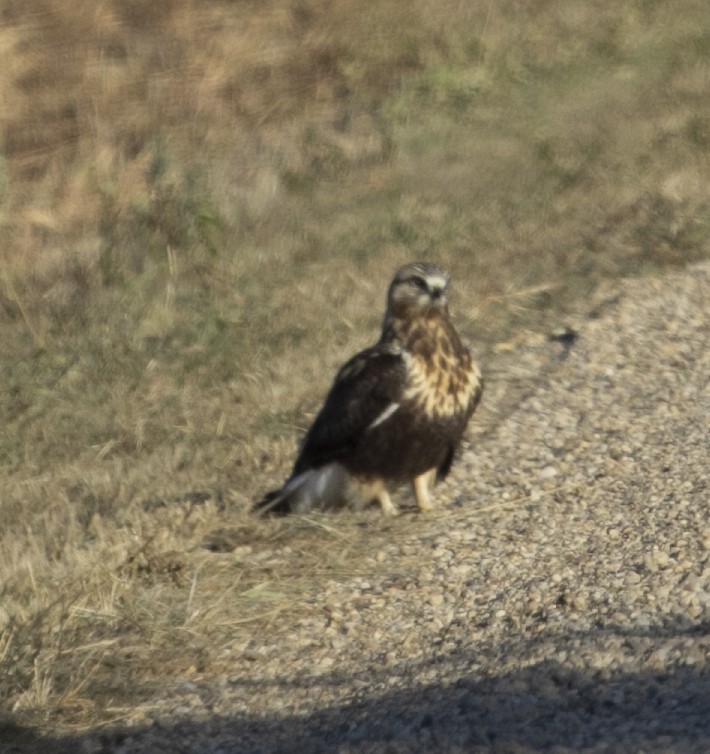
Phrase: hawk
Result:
[396,411]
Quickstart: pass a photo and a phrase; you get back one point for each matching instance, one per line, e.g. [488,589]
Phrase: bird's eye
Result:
[420,283]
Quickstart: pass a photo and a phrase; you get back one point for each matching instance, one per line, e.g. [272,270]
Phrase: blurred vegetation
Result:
[201,205]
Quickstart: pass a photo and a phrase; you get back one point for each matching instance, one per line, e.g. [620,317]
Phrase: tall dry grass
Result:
[200,207]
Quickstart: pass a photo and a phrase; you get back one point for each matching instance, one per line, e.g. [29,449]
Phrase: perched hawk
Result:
[396,411]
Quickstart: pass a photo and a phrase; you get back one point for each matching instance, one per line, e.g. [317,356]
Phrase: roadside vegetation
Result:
[200,207]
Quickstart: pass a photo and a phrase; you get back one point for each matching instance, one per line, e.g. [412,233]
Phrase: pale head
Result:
[419,285]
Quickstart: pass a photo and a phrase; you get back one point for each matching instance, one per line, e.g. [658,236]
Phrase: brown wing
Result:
[364,387]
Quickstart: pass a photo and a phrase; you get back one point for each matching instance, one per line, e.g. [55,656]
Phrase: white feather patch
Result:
[317,488]
[384,415]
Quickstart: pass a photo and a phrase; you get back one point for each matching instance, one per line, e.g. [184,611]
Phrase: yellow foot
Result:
[388,507]
[421,490]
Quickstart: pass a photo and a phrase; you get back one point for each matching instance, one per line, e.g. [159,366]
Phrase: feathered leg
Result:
[421,485]
[385,501]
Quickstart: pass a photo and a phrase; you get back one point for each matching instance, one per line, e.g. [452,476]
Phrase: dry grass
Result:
[199,211]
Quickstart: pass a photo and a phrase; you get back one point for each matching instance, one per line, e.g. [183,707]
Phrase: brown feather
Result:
[396,411]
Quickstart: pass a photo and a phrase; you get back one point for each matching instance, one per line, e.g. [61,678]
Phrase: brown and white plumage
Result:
[396,411]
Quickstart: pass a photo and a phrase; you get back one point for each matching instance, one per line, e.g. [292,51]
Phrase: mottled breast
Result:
[442,379]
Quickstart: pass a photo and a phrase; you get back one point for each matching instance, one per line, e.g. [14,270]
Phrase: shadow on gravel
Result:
[541,708]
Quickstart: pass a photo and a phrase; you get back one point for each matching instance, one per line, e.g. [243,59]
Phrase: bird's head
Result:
[418,287]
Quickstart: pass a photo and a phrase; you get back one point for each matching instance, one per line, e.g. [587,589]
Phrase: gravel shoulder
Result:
[559,601]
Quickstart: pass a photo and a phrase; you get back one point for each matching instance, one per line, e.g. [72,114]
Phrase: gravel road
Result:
[559,601]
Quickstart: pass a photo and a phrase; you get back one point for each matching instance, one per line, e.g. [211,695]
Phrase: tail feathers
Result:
[274,502]
[313,489]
